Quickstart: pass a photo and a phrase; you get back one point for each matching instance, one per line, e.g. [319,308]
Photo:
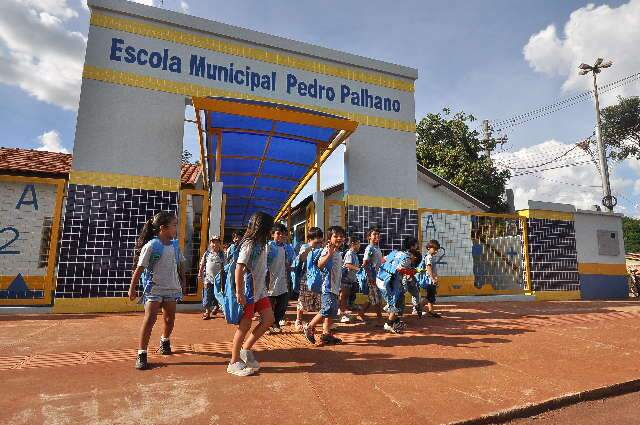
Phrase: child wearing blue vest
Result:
[233,248]
[308,301]
[159,263]
[330,261]
[371,262]
[279,261]
[211,266]
[251,293]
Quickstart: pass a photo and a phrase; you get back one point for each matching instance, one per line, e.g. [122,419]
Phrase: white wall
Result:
[587,224]
[128,131]
[440,198]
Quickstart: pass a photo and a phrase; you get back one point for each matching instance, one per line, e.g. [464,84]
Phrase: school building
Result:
[269,111]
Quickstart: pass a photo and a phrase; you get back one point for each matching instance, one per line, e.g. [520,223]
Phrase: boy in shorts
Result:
[372,261]
[330,287]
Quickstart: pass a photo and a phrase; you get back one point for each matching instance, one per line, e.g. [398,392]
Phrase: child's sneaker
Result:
[282,323]
[392,328]
[298,325]
[239,369]
[141,361]
[345,319]
[329,339]
[249,360]
[165,347]
[275,329]
[308,333]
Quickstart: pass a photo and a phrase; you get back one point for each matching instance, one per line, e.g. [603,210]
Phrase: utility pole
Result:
[486,132]
[608,201]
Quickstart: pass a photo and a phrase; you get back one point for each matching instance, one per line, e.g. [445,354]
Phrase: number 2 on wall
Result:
[16,235]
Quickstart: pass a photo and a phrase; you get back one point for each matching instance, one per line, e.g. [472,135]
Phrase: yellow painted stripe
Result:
[462,212]
[603,269]
[95,305]
[383,202]
[557,295]
[220,46]
[95,178]
[548,215]
[195,90]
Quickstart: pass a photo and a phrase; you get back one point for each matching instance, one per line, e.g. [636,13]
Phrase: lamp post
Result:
[607,200]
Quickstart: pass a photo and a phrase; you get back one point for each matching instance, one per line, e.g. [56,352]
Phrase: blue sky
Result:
[494,59]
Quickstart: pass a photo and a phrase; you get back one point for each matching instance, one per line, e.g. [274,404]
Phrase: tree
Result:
[186,157]
[621,128]
[631,234]
[448,147]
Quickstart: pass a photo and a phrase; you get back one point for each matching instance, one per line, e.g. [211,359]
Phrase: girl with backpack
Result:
[251,293]
[159,267]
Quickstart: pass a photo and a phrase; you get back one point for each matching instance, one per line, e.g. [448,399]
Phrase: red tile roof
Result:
[190,173]
[31,161]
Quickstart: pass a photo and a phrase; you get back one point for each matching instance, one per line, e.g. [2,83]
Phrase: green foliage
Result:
[621,128]
[631,232]
[448,147]
[186,157]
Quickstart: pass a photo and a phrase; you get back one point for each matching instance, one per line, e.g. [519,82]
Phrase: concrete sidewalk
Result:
[480,358]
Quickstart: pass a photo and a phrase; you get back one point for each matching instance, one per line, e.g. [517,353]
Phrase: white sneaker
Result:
[386,308]
[249,360]
[391,328]
[345,319]
[275,330]
[282,323]
[239,369]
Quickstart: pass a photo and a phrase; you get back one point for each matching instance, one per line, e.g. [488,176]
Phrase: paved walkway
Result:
[481,358]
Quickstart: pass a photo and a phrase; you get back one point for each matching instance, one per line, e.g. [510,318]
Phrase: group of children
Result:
[262,261]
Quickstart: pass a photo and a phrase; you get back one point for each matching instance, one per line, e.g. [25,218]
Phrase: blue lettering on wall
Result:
[34,199]
[230,73]
[16,235]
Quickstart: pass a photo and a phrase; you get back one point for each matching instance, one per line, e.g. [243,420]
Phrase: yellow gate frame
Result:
[47,281]
[204,237]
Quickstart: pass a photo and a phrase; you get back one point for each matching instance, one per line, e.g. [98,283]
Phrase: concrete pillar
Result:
[215,216]
[318,199]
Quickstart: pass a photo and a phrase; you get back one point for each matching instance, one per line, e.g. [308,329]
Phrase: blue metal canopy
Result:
[264,153]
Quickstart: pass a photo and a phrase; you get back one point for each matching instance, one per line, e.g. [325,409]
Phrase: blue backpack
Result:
[297,269]
[363,285]
[146,278]
[316,275]
[226,295]
[387,274]
[423,277]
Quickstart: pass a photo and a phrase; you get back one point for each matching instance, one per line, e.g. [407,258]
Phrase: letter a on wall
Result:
[34,199]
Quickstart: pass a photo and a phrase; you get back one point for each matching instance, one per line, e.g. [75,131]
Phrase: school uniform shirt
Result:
[258,268]
[351,257]
[373,254]
[430,261]
[214,264]
[165,270]
[332,280]
[278,273]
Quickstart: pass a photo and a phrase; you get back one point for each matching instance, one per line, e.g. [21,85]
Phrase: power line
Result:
[574,164]
[518,120]
[561,182]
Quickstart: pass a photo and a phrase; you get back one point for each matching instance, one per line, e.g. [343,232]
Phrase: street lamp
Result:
[607,200]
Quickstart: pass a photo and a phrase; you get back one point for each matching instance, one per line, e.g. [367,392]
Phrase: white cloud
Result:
[184,6]
[591,32]
[38,53]
[568,185]
[50,141]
